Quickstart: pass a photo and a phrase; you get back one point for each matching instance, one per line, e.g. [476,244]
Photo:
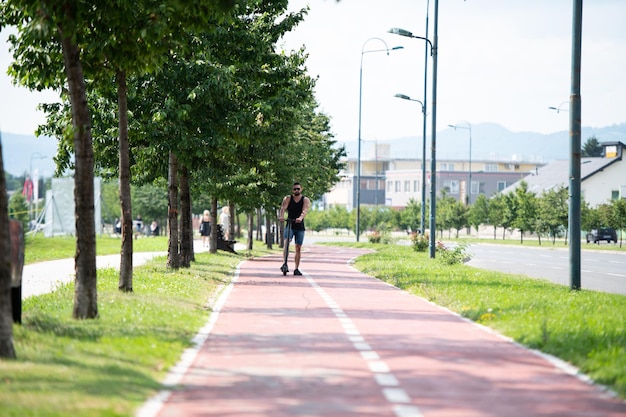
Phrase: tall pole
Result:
[575,133]
[423,214]
[433,147]
[358,169]
[468,198]
[358,163]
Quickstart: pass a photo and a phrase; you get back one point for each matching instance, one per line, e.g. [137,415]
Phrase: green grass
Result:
[584,328]
[39,248]
[111,365]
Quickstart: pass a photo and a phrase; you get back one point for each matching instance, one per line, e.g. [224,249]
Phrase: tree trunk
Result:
[186,244]
[250,230]
[7,350]
[85,287]
[125,282]
[214,232]
[259,222]
[268,232]
[173,260]
[231,220]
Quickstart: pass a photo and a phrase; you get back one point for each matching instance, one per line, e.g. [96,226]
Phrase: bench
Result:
[222,243]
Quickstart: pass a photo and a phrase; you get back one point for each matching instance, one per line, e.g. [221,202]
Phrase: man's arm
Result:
[305,209]
[283,207]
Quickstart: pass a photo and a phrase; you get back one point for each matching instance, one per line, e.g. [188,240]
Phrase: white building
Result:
[602,179]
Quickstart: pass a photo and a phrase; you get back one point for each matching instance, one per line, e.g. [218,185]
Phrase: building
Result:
[393,182]
[601,178]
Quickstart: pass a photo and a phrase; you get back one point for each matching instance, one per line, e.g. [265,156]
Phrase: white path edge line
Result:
[558,363]
[151,407]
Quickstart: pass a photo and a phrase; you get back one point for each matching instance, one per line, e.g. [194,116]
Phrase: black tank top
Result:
[295,210]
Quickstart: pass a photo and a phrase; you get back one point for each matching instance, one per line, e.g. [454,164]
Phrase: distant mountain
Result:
[490,141]
[20,151]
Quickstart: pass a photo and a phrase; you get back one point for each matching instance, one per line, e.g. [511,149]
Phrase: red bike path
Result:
[336,342]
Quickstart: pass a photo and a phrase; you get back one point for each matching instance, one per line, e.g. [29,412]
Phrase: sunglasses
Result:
[296,189]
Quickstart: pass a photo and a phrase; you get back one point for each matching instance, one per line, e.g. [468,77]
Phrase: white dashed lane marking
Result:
[390,386]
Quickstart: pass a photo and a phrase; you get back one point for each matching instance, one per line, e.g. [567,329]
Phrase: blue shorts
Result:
[298,234]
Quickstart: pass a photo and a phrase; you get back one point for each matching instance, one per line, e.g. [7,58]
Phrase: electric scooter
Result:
[285,268]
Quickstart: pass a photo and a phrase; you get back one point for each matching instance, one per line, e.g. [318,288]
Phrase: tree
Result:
[619,213]
[592,148]
[552,212]
[410,216]
[459,213]
[525,210]
[479,212]
[7,350]
[47,54]
[497,213]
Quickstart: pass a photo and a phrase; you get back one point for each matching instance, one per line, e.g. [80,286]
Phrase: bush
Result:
[419,242]
[380,236]
[453,256]
[374,237]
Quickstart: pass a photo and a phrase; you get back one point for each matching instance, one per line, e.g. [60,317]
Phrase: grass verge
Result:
[584,328]
[111,365]
[40,248]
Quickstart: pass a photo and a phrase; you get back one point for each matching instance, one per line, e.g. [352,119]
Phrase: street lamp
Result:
[423,214]
[358,169]
[35,182]
[469,181]
[433,136]
[558,109]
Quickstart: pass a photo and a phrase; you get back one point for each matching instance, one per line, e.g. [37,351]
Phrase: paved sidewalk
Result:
[335,342]
[44,277]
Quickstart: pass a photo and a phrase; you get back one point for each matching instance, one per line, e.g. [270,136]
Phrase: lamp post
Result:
[574,134]
[469,180]
[558,109]
[423,208]
[433,147]
[35,182]
[358,169]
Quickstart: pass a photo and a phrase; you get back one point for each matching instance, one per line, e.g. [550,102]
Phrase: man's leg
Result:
[297,256]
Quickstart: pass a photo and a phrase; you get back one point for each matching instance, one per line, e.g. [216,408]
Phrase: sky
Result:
[501,62]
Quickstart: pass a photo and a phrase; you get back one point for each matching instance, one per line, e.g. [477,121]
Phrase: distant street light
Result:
[423,209]
[358,170]
[558,109]
[469,181]
[35,181]
[433,148]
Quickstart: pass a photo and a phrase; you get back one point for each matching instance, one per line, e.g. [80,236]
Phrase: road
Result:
[600,270]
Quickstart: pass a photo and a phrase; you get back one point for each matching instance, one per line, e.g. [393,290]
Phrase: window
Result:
[501,185]
[614,194]
[398,186]
[452,186]
[390,185]
[416,186]
[491,167]
[475,187]
[407,186]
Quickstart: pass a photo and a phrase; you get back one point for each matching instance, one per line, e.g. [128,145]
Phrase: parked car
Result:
[604,233]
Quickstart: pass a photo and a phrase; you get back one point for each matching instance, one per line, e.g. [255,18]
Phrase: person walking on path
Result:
[297,206]
[225,222]
[336,342]
[205,228]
